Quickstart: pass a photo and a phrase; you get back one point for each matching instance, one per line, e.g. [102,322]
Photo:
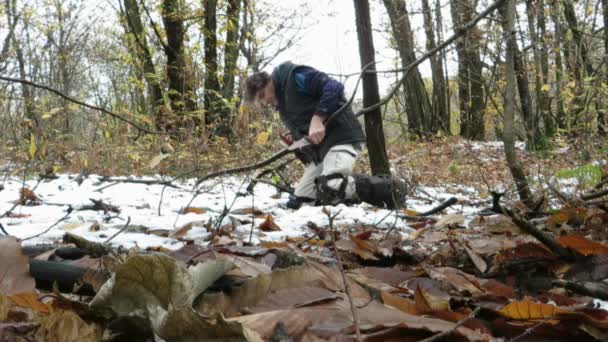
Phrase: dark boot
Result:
[381,191]
[295,202]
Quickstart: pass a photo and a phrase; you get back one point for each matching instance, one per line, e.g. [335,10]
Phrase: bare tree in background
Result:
[373,119]
[508,17]
[470,87]
[419,114]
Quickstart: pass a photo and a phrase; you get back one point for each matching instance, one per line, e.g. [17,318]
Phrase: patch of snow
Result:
[140,203]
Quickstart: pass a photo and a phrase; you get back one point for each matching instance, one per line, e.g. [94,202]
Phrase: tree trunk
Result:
[214,114]
[509,102]
[560,117]
[544,102]
[373,119]
[533,132]
[603,118]
[579,58]
[439,103]
[231,52]
[470,90]
[143,54]
[181,82]
[418,107]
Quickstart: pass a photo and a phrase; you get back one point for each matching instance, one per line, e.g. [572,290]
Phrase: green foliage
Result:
[588,175]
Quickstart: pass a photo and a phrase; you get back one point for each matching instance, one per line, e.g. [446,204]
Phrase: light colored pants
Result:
[339,159]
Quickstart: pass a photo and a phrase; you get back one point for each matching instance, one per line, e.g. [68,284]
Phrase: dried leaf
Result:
[427,301]
[181,231]
[354,248]
[14,268]
[184,324]
[460,280]
[478,261]
[67,326]
[31,301]
[145,281]
[193,210]
[273,244]
[530,310]
[269,225]
[566,215]
[5,307]
[583,245]
[255,289]
[28,197]
[525,251]
[403,304]
[294,298]
[249,211]
[449,220]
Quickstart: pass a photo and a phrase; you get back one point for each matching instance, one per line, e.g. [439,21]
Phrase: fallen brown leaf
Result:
[14,268]
[269,225]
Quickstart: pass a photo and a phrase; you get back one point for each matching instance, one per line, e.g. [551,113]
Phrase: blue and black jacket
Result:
[303,91]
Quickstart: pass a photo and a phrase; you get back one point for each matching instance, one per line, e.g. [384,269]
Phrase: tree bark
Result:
[603,119]
[181,82]
[544,102]
[143,54]
[558,36]
[470,90]
[214,114]
[373,119]
[508,135]
[439,103]
[525,98]
[231,52]
[418,107]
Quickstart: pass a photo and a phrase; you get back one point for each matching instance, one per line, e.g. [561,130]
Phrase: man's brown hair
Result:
[254,84]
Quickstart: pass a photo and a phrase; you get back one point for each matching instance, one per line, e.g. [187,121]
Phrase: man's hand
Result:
[316,133]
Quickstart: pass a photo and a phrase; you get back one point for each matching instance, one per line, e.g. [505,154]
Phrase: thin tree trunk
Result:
[509,102]
[558,37]
[181,82]
[444,62]
[418,107]
[231,52]
[603,119]
[579,60]
[143,54]
[470,89]
[439,103]
[214,114]
[373,119]
[523,87]
[544,102]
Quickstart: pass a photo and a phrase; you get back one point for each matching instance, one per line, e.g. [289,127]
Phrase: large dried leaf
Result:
[525,251]
[387,275]
[567,215]
[205,274]
[5,307]
[364,249]
[245,266]
[31,301]
[530,310]
[269,225]
[478,261]
[67,326]
[461,281]
[14,268]
[145,281]
[496,224]
[404,304]
[428,301]
[294,298]
[449,220]
[583,245]
[255,289]
[594,268]
[186,325]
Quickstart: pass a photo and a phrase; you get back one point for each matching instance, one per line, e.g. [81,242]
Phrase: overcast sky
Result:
[332,45]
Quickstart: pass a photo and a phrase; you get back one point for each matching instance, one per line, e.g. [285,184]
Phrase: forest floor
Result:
[465,272]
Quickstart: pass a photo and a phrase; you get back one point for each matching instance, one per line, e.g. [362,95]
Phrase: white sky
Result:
[332,45]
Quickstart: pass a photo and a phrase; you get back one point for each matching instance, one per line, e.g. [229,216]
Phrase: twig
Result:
[83,104]
[120,231]
[546,239]
[341,268]
[594,195]
[4,230]
[451,201]
[69,211]
[441,335]
[526,333]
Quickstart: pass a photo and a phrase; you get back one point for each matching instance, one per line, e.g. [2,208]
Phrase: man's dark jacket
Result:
[296,110]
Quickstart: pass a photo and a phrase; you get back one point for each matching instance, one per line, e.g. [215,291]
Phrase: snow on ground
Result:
[140,202]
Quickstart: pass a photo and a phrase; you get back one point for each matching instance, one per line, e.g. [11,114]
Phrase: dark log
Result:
[93,248]
[66,276]
[69,253]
